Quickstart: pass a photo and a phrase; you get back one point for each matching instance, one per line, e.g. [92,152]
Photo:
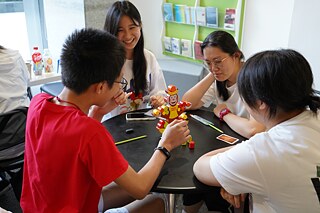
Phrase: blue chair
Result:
[52,88]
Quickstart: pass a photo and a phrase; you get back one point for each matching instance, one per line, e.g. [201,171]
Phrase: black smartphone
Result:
[138,116]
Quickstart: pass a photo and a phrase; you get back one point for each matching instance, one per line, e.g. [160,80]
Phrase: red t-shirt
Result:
[69,157]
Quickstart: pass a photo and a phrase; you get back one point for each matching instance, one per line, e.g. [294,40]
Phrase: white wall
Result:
[305,33]
[266,25]
[151,15]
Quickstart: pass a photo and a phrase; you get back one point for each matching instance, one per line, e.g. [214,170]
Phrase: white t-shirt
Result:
[275,166]
[156,84]
[234,102]
[14,80]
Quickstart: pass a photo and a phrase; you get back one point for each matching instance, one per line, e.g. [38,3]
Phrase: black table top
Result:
[177,174]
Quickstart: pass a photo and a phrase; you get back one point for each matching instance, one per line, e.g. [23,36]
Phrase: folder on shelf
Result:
[168,11]
[197,50]
[229,19]
[201,16]
[186,47]
[212,16]
[175,44]
[167,44]
[180,15]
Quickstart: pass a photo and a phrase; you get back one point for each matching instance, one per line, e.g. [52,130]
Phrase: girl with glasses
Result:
[223,61]
[146,83]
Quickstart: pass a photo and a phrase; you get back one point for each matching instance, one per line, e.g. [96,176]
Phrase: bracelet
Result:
[223,113]
[164,151]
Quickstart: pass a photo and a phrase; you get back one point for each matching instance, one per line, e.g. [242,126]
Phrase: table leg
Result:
[171,205]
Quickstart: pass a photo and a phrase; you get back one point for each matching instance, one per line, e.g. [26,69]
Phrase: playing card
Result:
[227,138]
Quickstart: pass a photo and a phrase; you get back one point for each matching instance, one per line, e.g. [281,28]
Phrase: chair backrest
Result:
[12,133]
[52,88]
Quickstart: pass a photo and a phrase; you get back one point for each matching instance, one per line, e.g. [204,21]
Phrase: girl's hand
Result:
[234,200]
[218,108]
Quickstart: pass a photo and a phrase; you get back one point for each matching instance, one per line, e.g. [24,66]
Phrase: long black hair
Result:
[280,78]
[224,41]
[139,67]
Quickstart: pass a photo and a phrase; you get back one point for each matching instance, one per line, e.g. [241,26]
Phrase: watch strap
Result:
[164,151]
[223,113]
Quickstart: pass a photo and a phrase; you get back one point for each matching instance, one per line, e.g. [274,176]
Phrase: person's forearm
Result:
[202,169]
[195,94]
[243,126]
[145,178]
[139,184]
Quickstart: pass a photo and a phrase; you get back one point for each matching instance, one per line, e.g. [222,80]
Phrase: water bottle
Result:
[47,61]
[37,61]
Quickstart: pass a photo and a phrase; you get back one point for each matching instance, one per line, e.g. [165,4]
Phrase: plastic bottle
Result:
[47,61]
[37,65]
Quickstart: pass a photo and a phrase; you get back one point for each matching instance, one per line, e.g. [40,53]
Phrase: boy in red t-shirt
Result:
[70,157]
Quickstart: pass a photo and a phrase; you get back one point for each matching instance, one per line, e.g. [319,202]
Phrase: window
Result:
[39,23]
[13,27]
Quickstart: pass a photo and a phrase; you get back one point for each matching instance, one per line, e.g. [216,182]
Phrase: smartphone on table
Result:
[138,116]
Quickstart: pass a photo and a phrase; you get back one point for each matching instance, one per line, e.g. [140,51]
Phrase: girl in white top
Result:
[14,80]
[142,73]
[279,167]
[223,60]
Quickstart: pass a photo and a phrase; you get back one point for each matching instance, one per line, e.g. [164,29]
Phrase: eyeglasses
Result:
[123,82]
[215,63]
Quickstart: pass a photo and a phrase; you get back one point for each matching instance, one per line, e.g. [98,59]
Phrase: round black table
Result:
[177,175]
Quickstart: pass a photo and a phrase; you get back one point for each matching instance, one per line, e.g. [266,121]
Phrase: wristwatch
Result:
[164,151]
[224,112]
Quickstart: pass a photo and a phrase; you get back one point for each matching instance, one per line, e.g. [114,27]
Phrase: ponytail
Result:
[314,102]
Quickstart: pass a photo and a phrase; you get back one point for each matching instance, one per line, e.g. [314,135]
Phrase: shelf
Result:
[195,32]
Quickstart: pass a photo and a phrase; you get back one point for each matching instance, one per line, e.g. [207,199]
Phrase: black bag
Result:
[12,133]
[12,141]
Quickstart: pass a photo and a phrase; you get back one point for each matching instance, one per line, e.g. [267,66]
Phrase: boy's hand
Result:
[121,97]
[156,101]
[97,112]
[175,134]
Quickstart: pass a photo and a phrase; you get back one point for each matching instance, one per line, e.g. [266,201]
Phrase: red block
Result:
[191,144]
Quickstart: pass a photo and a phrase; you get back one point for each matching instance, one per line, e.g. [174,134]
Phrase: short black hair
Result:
[280,78]
[90,56]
